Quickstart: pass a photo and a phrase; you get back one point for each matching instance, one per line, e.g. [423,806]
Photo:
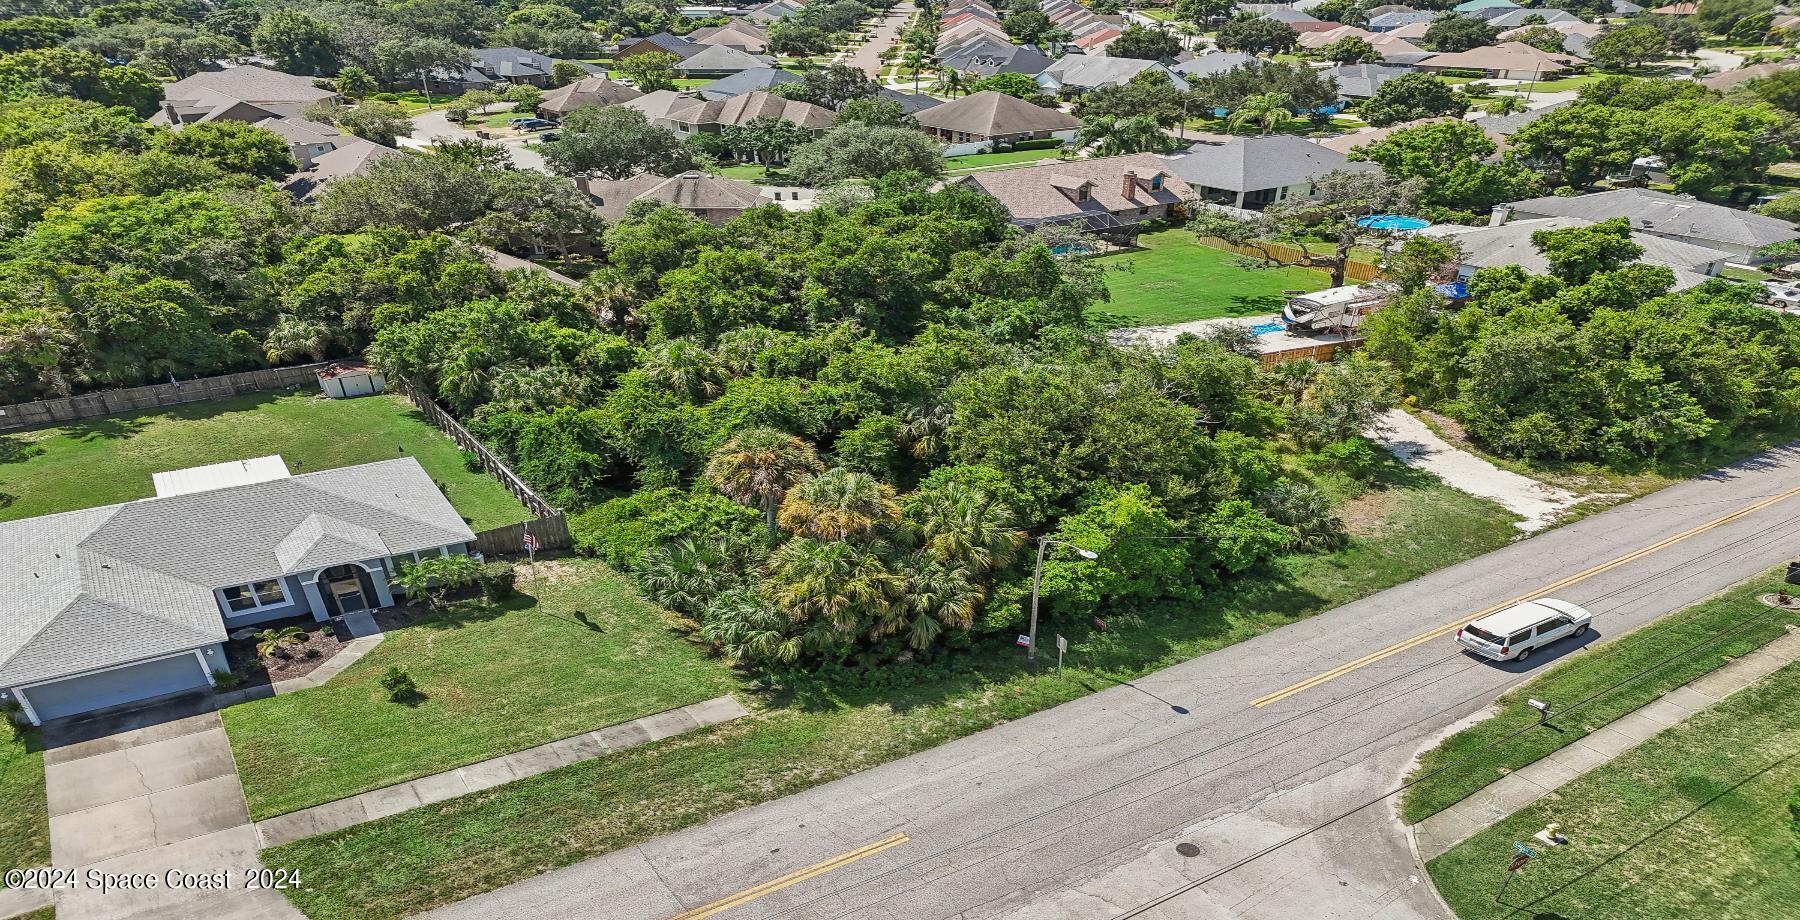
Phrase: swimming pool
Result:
[1266,328]
[1393,222]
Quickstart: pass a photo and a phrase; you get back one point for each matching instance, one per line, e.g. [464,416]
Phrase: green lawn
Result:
[106,460]
[1693,823]
[1409,525]
[976,161]
[1173,279]
[1478,754]
[576,651]
[24,816]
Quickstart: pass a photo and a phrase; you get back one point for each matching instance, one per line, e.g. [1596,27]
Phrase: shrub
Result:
[472,462]
[1351,456]
[384,97]
[622,530]
[224,680]
[399,685]
[497,581]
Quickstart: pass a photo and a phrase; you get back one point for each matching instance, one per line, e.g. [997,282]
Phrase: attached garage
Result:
[117,686]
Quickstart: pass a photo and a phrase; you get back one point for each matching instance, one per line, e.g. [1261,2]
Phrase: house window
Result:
[1081,194]
[1156,183]
[254,596]
[396,563]
[1143,211]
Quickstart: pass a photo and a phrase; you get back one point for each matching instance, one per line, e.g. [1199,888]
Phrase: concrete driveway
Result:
[430,126]
[153,791]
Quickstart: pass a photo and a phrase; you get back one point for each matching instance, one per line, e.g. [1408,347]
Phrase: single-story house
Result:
[1506,125]
[1110,196]
[1726,79]
[981,119]
[350,158]
[306,140]
[1737,233]
[1685,8]
[661,42]
[1398,51]
[596,91]
[124,603]
[1079,73]
[1388,22]
[1513,19]
[910,103]
[1313,41]
[245,93]
[714,199]
[741,34]
[1412,31]
[1215,62]
[1360,81]
[1470,6]
[1386,8]
[1282,14]
[1344,143]
[719,61]
[747,81]
[1505,61]
[1255,172]
[774,12]
[1510,244]
[703,116]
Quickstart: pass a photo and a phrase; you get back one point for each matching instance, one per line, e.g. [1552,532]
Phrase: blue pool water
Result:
[1393,222]
[1266,328]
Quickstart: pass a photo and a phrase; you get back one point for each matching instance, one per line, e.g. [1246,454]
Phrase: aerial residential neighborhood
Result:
[930,459]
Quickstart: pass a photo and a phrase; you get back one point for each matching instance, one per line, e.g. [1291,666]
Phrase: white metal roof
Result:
[219,475]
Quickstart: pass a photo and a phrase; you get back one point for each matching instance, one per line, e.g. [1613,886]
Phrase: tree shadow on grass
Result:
[15,449]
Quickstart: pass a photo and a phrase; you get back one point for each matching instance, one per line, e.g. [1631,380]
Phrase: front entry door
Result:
[349,595]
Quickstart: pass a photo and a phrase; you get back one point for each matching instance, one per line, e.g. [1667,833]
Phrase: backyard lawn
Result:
[1485,751]
[1171,278]
[1693,823]
[24,816]
[979,161]
[1410,524]
[576,651]
[106,460]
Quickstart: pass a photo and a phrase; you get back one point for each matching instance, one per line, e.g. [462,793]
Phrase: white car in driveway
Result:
[1514,633]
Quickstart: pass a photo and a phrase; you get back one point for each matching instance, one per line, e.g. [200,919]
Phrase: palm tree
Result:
[965,527]
[829,582]
[683,367]
[923,427]
[272,641]
[748,628]
[1111,135]
[938,595]
[951,80]
[1266,111]
[684,575]
[839,504]
[758,466]
[914,60]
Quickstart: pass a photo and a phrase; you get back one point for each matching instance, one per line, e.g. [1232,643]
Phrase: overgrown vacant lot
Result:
[1607,682]
[577,650]
[106,460]
[24,816]
[1694,823]
[1409,525]
[1174,279]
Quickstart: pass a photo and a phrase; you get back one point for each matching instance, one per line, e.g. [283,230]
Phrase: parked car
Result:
[520,121]
[1514,633]
[1783,294]
[550,136]
[535,124]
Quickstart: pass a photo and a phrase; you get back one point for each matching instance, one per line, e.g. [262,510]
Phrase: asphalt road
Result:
[1078,811]
[434,125]
[867,56]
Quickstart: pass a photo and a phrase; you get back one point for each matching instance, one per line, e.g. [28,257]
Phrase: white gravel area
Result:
[1417,446]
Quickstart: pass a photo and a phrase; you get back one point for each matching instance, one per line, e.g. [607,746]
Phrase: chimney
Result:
[1502,214]
[1128,184]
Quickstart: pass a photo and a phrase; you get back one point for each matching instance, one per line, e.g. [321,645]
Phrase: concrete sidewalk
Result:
[426,790]
[1514,791]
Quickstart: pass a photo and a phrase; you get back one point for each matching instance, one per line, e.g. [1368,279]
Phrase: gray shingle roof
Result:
[1506,125]
[747,81]
[1661,212]
[112,585]
[1360,81]
[587,91]
[1510,244]
[251,84]
[720,59]
[1247,164]
[1214,63]
[691,191]
[1086,71]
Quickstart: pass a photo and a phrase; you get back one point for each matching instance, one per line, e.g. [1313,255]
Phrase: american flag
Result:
[530,542]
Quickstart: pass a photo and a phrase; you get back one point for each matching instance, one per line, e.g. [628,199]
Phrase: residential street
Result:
[1077,811]
[867,56]
[429,126]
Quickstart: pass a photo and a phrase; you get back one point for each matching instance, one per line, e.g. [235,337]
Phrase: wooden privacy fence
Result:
[1353,271]
[493,464]
[551,532]
[113,402]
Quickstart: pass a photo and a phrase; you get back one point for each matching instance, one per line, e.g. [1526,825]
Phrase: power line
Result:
[1735,545]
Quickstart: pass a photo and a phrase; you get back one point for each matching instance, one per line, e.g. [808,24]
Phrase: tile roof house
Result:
[1737,233]
[350,158]
[1505,61]
[597,91]
[1078,73]
[1510,244]
[1313,41]
[746,81]
[714,199]
[719,60]
[994,117]
[244,93]
[737,33]
[118,604]
[1110,196]
[1255,172]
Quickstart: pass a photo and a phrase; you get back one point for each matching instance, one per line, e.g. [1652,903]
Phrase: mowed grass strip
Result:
[1476,754]
[578,650]
[106,460]
[24,814]
[1693,823]
[1171,278]
[1408,525]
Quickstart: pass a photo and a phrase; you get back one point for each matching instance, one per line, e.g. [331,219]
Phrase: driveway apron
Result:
[153,792]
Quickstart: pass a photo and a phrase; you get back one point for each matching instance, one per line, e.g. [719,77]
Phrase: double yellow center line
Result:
[1456,624]
[792,878]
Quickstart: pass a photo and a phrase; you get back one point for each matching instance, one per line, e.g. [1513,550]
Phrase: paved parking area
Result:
[151,792]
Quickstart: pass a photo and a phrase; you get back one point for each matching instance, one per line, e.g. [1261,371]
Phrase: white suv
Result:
[1513,633]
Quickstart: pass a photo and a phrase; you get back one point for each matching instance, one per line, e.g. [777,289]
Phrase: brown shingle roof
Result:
[690,191]
[1051,193]
[995,114]
[589,91]
[741,110]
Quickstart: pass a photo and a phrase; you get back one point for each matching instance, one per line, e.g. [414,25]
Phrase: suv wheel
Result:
[1524,653]
[1581,630]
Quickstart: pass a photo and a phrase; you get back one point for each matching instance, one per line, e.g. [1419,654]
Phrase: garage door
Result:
[77,695]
